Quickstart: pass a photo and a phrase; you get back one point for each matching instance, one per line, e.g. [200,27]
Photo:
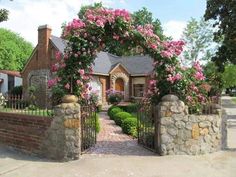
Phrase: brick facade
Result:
[37,70]
[25,132]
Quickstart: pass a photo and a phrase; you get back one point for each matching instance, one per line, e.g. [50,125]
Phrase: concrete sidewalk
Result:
[220,164]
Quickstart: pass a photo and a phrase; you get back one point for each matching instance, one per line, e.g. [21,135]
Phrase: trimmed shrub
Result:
[129,126]
[114,111]
[120,117]
[109,110]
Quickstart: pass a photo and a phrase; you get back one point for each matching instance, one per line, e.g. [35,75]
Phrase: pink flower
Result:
[189,98]
[79,82]
[100,23]
[58,55]
[81,71]
[116,37]
[197,66]
[52,82]
[54,68]
[199,76]
[178,77]
[153,46]
[67,86]
[166,54]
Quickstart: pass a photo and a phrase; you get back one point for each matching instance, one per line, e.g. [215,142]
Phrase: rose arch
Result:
[101,26]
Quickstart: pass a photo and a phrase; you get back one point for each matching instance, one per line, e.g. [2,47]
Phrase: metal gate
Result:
[147,129]
[88,126]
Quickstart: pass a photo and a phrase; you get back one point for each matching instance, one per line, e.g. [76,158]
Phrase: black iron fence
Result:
[88,126]
[146,126]
[19,105]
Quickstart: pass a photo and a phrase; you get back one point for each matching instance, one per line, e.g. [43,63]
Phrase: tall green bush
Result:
[129,126]
[114,111]
[120,117]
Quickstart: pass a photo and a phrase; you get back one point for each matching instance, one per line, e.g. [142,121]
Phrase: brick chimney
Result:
[44,34]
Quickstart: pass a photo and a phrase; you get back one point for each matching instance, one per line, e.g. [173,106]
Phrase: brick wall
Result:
[24,132]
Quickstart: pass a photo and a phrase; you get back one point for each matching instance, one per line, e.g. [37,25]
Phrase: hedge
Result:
[129,126]
[114,111]
[131,108]
[120,117]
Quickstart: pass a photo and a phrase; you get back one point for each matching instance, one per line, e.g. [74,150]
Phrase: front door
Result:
[119,85]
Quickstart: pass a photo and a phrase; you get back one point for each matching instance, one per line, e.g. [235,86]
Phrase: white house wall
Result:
[18,81]
[96,86]
[4,85]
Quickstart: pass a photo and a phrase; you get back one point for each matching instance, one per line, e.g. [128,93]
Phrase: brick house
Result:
[127,74]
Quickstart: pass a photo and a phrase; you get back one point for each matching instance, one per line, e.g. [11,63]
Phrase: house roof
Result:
[11,73]
[105,62]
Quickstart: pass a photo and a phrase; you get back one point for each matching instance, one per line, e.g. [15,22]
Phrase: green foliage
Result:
[57,94]
[131,108]
[143,17]
[198,38]
[224,14]
[14,50]
[213,78]
[3,15]
[115,98]
[17,90]
[109,110]
[229,76]
[120,117]
[114,111]
[129,126]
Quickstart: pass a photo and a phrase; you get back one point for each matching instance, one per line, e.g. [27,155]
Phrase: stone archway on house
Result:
[125,78]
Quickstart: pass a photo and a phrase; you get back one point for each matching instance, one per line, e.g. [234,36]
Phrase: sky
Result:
[26,15]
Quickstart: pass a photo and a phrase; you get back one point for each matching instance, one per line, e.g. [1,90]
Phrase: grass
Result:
[234,100]
[37,112]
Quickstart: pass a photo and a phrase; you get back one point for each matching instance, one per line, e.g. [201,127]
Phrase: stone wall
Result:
[181,133]
[24,132]
[63,138]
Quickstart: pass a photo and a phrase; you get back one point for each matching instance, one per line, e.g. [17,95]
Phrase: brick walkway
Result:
[111,141]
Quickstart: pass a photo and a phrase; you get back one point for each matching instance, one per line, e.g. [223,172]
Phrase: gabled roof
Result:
[11,73]
[104,62]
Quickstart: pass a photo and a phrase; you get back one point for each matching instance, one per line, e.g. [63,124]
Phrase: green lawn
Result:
[234,100]
[38,112]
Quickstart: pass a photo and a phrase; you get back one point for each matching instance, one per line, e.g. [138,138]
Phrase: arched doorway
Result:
[119,85]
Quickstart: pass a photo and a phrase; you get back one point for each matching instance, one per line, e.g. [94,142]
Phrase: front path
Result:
[111,140]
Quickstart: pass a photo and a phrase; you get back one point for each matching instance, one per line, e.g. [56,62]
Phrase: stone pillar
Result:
[182,134]
[63,139]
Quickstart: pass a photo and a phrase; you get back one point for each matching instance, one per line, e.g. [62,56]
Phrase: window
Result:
[11,81]
[138,90]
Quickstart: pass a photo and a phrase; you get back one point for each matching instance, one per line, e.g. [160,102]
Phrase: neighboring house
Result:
[127,74]
[9,80]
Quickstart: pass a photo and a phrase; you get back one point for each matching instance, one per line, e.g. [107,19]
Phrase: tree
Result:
[224,14]
[198,38]
[14,50]
[213,78]
[229,76]
[4,14]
